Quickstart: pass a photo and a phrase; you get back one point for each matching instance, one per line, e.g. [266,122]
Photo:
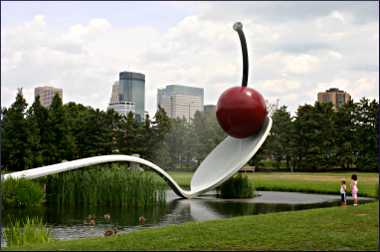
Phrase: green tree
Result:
[37,117]
[176,141]
[345,136]
[280,138]
[16,138]
[304,127]
[61,142]
[160,128]
[325,135]
[365,127]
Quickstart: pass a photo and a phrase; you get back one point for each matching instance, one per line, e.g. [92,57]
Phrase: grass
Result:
[316,229]
[326,182]
[30,231]
[113,186]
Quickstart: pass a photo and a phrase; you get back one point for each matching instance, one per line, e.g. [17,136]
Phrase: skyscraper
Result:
[335,96]
[180,101]
[115,93]
[122,107]
[132,89]
[46,94]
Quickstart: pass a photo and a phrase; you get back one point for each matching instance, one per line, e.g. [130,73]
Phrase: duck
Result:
[92,222]
[110,231]
[107,216]
[91,219]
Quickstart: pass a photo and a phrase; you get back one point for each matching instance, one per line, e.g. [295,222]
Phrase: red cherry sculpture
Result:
[241,111]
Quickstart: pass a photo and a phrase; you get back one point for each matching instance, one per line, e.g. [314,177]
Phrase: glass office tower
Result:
[132,89]
[180,101]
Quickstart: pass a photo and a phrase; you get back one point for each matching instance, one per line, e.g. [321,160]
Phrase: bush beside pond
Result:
[238,186]
[21,193]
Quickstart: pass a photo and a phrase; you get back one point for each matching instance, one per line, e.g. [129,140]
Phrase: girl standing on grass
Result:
[354,188]
[343,189]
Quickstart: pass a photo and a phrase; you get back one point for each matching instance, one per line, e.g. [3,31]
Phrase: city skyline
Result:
[292,57]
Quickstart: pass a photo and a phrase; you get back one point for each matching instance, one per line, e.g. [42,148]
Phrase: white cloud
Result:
[337,15]
[289,60]
[302,64]
[283,86]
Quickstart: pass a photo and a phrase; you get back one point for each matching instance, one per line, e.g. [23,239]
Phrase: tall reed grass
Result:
[29,231]
[106,185]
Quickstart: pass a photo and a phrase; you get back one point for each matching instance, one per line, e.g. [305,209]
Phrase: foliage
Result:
[316,138]
[107,185]
[238,186]
[61,142]
[17,137]
[21,193]
[277,146]
[30,231]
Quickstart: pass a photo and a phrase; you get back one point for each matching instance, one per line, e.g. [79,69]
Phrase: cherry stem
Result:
[239,28]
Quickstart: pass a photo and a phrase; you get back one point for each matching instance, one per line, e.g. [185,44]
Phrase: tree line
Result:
[35,136]
[316,138]
[320,138]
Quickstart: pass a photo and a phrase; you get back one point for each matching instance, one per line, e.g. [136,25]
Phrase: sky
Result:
[296,49]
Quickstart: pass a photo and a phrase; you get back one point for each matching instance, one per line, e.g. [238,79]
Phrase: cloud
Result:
[280,86]
[279,12]
[302,64]
[289,60]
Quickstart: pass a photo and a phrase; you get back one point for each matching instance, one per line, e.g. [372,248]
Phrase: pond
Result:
[70,223]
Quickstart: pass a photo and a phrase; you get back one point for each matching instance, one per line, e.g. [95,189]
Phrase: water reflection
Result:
[69,223]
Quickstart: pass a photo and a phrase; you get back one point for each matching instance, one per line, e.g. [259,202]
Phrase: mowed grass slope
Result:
[327,182]
[335,228]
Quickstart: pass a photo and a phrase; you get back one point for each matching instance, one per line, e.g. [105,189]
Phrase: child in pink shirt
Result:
[354,188]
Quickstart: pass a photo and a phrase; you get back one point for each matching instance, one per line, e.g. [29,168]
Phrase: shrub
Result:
[21,193]
[238,186]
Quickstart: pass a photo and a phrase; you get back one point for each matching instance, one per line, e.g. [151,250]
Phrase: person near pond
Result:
[343,189]
[141,220]
[354,188]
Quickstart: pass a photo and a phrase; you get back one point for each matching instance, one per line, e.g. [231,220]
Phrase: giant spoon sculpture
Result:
[241,112]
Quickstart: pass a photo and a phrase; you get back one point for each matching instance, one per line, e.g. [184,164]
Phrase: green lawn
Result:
[327,182]
[335,228]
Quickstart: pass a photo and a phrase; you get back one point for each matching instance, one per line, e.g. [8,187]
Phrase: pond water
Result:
[70,223]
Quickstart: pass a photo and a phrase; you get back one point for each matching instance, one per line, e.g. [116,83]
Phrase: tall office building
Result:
[115,93]
[335,96]
[46,94]
[132,90]
[180,101]
[121,107]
